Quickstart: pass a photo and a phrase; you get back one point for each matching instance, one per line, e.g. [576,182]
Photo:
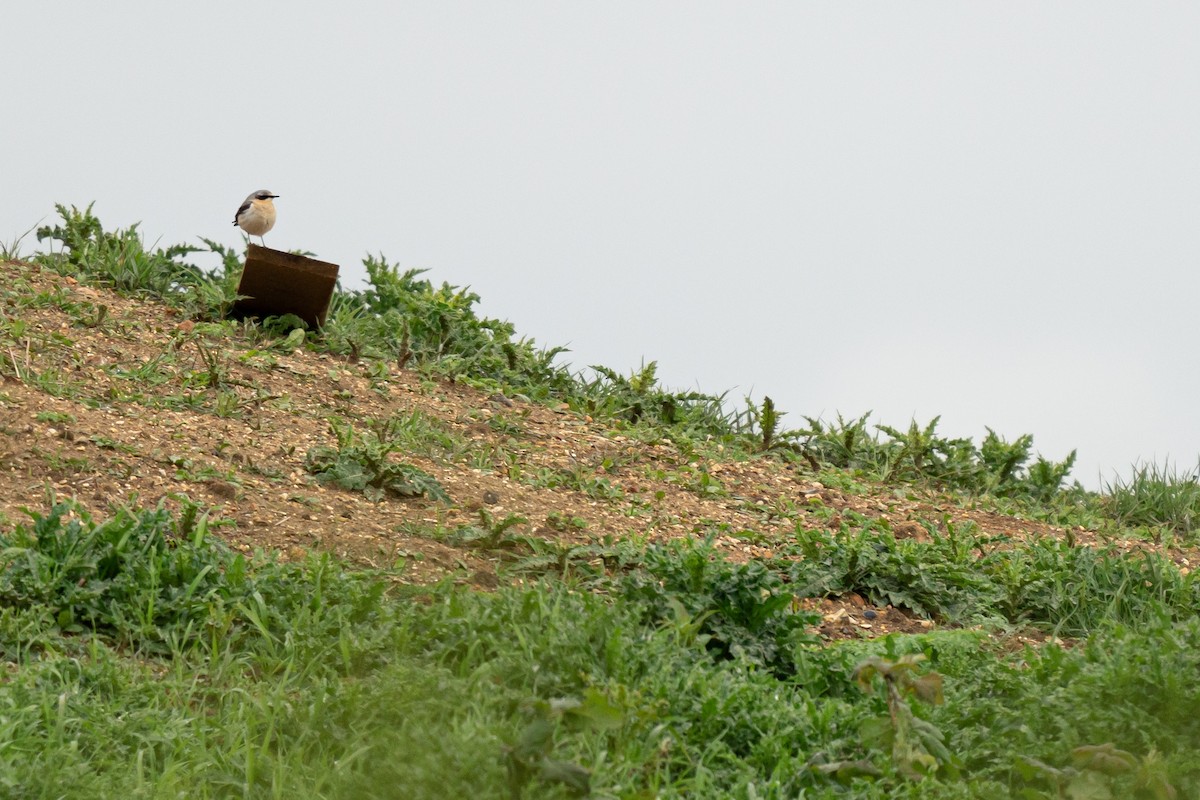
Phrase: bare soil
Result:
[134,404]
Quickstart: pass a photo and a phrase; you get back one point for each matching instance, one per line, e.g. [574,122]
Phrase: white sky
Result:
[985,210]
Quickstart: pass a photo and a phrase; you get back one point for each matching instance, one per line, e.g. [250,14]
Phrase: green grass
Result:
[144,659]
[1158,498]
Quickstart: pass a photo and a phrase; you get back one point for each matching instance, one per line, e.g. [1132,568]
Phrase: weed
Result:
[639,400]
[917,746]
[920,455]
[558,521]
[66,465]
[228,405]
[214,373]
[700,481]
[528,757]
[489,534]
[11,251]
[379,375]
[418,432]
[504,425]
[763,420]
[88,315]
[130,575]
[579,478]
[584,562]
[55,417]
[109,443]
[119,259]
[746,610]
[1094,770]
[361,462]
[1157,497]
[154,371]
[1047,583]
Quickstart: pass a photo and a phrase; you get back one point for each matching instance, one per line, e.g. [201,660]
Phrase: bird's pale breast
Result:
[258,218]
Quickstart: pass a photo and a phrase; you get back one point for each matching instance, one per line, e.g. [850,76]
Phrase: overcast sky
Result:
[988,211]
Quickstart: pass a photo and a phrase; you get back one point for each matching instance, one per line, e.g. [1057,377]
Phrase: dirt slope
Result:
[107,398]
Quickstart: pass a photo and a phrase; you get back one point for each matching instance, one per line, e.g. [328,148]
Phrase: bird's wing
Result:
[245,207]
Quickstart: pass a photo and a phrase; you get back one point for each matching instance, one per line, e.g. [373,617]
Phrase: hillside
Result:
[137,402]
[408,555]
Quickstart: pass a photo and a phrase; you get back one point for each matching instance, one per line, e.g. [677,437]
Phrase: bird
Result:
[257,214]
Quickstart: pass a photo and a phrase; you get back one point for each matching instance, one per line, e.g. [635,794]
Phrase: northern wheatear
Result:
[257,214]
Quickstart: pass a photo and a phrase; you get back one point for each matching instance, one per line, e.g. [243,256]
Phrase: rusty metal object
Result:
[276,283]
